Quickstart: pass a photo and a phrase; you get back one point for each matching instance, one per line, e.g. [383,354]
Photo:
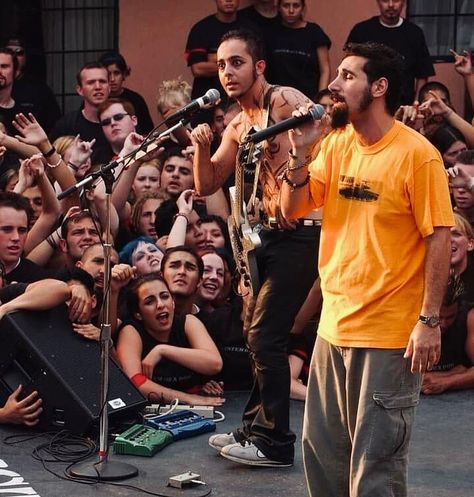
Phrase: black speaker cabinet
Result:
[41,351]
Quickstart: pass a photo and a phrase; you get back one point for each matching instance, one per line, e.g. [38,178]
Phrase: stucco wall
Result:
[152,37]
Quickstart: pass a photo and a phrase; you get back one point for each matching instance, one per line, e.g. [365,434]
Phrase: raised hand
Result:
[81,151]
[185,202]
[30,130]
[458,178]
[435,106]
[35,165]
[462,62]
[202,135]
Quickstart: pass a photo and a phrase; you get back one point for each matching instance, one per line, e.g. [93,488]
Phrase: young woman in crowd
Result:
[165,355]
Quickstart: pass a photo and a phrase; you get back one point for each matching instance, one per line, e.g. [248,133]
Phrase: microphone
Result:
[315,112]
[207,101]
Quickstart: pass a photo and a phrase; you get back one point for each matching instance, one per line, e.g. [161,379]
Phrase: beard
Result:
[340,111]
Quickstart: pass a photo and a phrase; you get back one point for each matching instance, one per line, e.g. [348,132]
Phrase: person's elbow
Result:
[214,364]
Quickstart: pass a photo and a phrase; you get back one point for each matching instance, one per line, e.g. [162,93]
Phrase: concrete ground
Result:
[441,461]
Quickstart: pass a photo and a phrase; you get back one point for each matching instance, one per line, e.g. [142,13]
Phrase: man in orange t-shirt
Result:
[384,261]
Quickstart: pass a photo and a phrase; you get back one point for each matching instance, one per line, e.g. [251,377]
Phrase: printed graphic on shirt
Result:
[354,189]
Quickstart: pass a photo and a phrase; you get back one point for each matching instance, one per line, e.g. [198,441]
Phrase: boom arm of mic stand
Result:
[113,164]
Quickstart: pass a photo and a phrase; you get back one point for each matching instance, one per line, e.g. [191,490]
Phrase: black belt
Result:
[272,223]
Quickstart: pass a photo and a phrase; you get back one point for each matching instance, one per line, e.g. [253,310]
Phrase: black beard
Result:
[339,116]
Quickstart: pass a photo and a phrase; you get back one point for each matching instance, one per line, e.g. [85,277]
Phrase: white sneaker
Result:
[220,440]
[247,453]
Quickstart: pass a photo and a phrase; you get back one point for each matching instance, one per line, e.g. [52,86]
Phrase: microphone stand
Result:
[103,469]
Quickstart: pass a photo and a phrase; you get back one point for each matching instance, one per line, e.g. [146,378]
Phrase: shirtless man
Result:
[286,261]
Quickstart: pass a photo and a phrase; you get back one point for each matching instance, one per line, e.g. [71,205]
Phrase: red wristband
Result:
[138,379]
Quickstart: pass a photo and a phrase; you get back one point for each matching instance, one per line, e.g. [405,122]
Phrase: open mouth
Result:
[162,318]
[210,287]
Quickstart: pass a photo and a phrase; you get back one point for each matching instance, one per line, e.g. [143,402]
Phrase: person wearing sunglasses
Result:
[31,91]
[117,119]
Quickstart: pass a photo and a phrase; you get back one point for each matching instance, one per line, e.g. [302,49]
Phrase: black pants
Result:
[288,267]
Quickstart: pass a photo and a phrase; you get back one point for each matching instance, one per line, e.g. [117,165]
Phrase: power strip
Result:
[157,409]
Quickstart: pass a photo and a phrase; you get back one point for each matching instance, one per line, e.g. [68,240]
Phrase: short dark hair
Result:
[466,157]
[322,93]
[255,44]
[183,248]
[9,51]
[76,273]
[382,62]
[170,152]
[83,214]
[432,86]
[88,65]
[110,58]
[17,202]
[164,217]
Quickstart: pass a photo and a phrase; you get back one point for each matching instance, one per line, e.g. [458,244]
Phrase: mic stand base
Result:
[105,470]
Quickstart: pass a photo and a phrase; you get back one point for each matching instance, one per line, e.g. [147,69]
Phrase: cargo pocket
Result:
[391,424]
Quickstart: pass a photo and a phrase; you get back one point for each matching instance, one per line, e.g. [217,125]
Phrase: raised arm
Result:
[51,208]
[33,134]
[210,173]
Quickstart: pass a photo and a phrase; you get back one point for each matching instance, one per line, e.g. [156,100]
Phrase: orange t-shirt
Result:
[380,201]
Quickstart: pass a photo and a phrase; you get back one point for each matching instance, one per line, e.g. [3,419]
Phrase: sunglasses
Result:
[17,50]
[116,117]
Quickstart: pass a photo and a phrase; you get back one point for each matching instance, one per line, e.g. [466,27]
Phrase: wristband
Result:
[295,186]
[138,379]
[50,152]
[178,214]
[73,166]
[52,166]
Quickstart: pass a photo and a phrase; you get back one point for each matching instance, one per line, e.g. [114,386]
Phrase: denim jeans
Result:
[358,419]
[288,267]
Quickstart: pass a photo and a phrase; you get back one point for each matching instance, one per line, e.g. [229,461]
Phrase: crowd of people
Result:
[184,324]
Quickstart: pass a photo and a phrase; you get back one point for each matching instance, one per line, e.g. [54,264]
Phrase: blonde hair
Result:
[62,143]
[138,207]
[173,93]
[464,225]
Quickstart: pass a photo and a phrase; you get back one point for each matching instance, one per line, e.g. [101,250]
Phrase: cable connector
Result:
[179,481]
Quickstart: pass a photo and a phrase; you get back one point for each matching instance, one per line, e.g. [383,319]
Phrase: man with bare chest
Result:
[286,259]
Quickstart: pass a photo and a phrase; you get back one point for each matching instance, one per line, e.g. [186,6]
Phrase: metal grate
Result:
[75,32]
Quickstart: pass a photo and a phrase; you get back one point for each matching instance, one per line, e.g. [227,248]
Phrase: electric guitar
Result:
[244,239]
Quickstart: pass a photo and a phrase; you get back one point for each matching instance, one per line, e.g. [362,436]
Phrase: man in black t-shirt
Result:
[407,38]
[93,87]
[15,214]
[9,107]
[33,94]
[201,49]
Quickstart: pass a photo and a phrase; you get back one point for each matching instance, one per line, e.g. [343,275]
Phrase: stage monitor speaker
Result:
[41,351]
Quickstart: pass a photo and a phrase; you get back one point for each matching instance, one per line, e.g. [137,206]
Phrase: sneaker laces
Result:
[245,442]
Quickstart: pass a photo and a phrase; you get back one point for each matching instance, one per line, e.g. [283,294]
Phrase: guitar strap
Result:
[266,116]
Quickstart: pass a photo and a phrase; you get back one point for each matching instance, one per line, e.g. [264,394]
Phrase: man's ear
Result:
[94,301]
[260,66]
[62,245]
[379,87]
